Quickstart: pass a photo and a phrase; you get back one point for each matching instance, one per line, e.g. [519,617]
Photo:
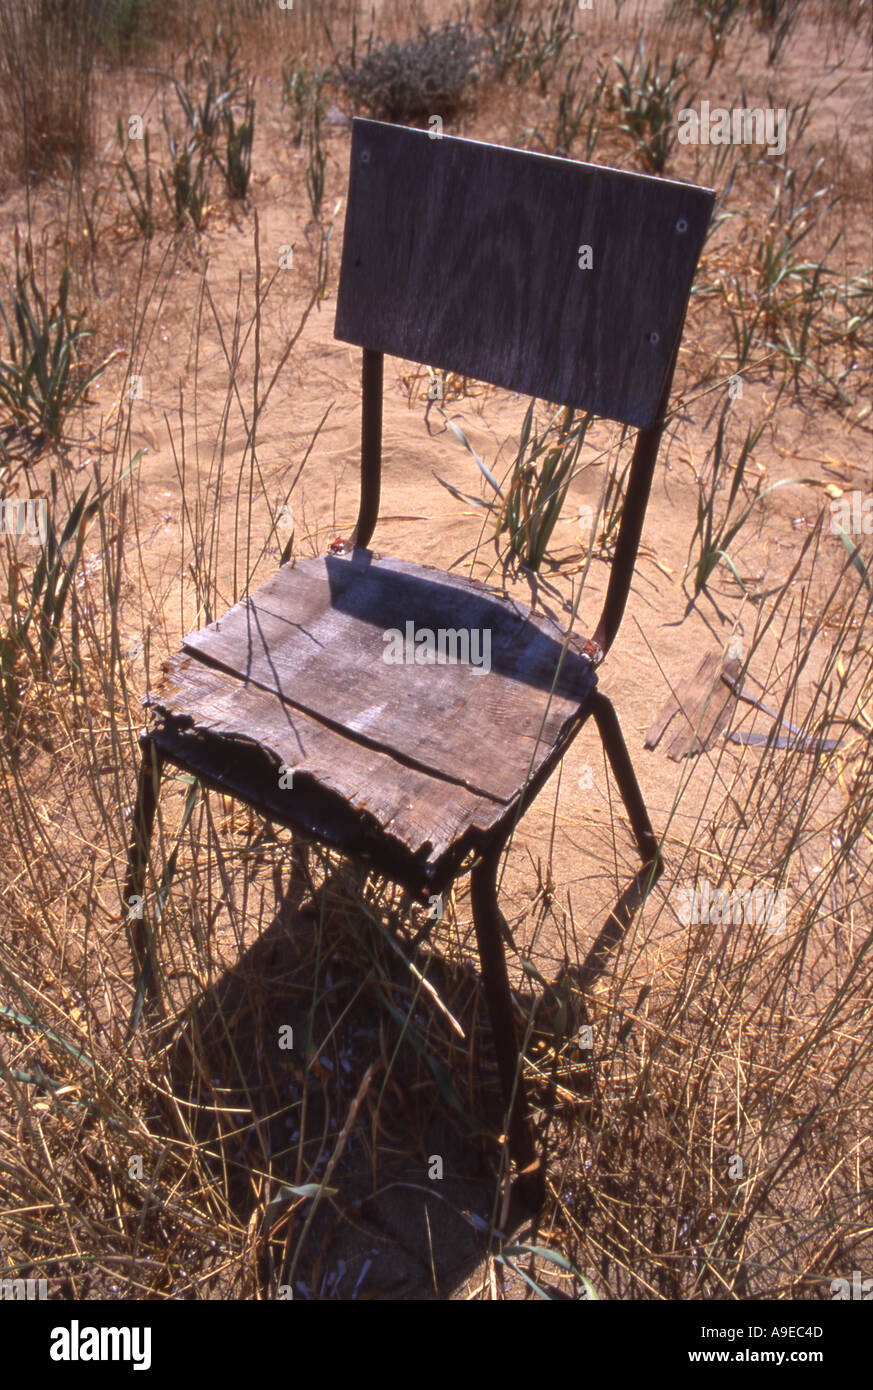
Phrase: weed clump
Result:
[41,376]
[407,83]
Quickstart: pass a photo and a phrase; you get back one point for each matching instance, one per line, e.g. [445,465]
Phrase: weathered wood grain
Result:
[314,635]
[466,256]
[703,703]
[425,813]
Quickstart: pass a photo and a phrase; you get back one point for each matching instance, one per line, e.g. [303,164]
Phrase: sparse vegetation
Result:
[37,609]
[649,99]
[533,46]
[302,89]
[42,374]
[579,115]
[186,185]
[211,126]
[137,183]
[541,473]
[711,1041]
[46,85]
[777,19]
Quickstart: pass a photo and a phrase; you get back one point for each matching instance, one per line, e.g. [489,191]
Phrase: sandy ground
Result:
[663,636]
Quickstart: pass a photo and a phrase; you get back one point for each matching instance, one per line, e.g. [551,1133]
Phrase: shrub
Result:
[430,74]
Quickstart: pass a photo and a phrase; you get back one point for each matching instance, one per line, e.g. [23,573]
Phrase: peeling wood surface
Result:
[704,704]
[425,814]
[294,677]
[315,635]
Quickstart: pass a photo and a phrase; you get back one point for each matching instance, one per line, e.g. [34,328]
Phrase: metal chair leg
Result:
[612,739]
[634,894]
[141,944]
[486,916]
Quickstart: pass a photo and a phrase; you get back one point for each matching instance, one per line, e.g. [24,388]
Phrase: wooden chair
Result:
[561,280]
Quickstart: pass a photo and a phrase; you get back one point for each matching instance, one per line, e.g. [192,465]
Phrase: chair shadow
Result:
[393,1229]
[384,600]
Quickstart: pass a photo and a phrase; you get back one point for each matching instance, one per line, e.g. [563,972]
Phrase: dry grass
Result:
[46,87]
[712,1143]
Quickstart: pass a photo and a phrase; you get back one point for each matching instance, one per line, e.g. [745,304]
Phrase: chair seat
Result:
[412,707]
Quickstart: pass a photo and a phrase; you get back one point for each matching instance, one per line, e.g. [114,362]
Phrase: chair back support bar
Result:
[630,529]
[371,449]
[553,278]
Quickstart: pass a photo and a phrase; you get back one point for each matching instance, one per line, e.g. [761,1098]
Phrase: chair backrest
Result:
[560,280]
[557,279]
